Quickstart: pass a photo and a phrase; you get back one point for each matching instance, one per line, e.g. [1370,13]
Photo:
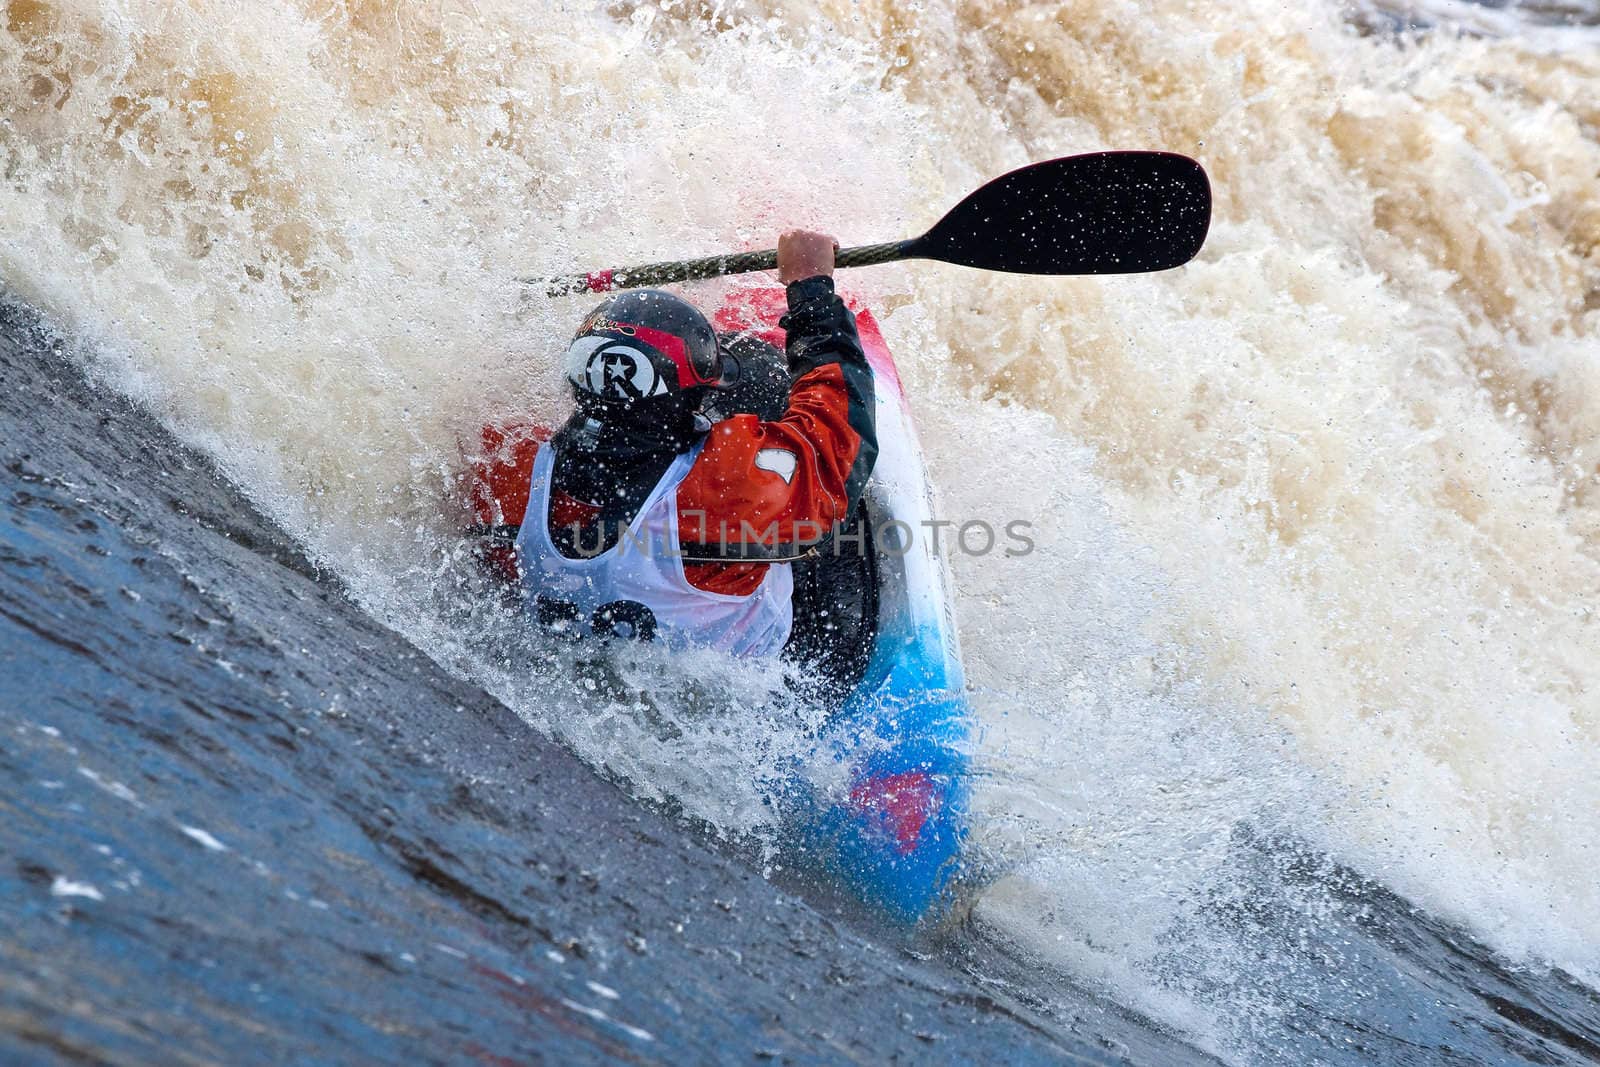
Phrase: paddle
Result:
[1100,213]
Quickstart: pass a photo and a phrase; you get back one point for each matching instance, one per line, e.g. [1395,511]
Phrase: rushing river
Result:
[1309,638]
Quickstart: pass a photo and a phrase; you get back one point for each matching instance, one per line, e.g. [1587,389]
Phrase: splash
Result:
[1319,512]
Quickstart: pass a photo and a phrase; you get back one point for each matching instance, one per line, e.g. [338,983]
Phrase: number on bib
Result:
[558,616]
[626,619]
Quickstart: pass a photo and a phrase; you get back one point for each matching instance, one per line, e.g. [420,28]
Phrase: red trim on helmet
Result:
[673,347]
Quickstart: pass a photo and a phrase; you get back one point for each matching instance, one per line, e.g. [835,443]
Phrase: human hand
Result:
[805,254]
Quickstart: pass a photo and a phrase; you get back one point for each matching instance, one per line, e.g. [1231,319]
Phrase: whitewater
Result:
[1317,515]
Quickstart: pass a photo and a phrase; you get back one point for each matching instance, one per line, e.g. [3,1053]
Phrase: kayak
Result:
[874,629]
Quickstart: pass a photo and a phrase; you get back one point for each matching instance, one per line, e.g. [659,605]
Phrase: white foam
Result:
[65,887]
[194,833]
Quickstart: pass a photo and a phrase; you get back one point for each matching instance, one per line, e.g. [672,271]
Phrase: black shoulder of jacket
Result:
[819,328]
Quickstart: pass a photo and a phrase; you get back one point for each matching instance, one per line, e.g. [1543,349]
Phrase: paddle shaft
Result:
[688,270]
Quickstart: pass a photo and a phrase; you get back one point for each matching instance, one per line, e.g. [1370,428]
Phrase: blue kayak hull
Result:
[894,834]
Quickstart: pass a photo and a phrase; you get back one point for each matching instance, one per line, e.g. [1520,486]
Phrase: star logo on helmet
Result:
[622,372]
[618,368]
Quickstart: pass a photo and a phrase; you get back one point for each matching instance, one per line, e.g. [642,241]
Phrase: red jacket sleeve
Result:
[783,485]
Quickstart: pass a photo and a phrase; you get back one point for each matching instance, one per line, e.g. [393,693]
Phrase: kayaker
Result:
[659,523]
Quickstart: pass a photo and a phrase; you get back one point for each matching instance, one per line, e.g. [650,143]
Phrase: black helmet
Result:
[646,343]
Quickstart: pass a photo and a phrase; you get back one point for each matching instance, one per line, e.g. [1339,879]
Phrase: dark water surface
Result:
[242,823]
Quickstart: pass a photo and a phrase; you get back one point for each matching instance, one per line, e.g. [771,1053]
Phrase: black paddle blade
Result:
[1101,213]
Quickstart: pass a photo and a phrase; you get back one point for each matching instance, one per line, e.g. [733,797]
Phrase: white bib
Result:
[637,587]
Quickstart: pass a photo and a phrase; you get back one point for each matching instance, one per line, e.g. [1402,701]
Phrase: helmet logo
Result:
[613,369]
[598,323]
